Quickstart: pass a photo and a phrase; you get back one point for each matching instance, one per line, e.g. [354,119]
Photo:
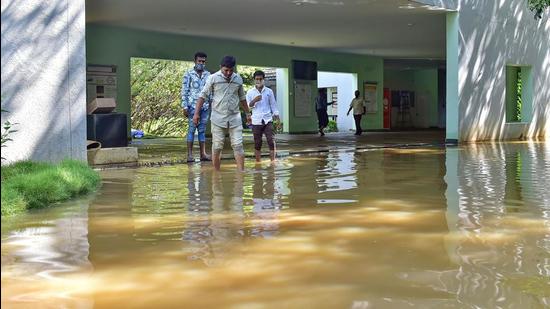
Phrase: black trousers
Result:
[358,129]
[322,116]
[261,129]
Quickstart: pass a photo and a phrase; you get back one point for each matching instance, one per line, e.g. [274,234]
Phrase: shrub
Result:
[332,127]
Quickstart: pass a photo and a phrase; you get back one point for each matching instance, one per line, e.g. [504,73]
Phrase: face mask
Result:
[199,66]
[259,83]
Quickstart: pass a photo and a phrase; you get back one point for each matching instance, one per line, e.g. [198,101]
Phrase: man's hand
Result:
[185,112]
[276,117]
[258,98]
[248,119]
[196,119]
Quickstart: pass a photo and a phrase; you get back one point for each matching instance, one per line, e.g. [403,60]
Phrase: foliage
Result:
[7,130]
[28,185]
[332,127]
[519,95]
[538,7]
[156,95]
[165,126]
[278,126]
[247,72]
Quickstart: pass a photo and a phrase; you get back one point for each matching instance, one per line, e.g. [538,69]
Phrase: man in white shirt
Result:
[359,109]
[226,90]
[264,110]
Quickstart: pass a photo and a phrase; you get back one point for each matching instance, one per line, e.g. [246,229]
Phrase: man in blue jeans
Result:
[193,82]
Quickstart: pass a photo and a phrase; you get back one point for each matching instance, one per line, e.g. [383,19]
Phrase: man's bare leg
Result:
[216,159]
[258,154]
[190,152]
[204,156]
[239,159]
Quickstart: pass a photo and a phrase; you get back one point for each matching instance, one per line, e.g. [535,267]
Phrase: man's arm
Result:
[273,104]
[247,111]
[252,100]
[200,102]
[242,100]
[206,92]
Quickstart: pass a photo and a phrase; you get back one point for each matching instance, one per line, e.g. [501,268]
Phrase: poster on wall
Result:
[370,97]
[303,100]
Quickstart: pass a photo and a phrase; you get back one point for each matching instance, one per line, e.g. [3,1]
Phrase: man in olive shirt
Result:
[226,90]
[359,110]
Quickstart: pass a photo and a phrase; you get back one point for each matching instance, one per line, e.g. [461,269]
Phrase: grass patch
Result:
[31,185]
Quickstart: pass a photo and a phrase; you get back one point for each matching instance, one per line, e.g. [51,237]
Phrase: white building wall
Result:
[346,84]
[491,35]
[44,79]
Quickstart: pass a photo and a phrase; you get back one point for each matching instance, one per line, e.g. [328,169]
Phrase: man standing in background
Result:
[264,110]
[321,106]
[193,82]
[359,110]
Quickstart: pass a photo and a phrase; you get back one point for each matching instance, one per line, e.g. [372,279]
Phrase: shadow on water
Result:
[392,228]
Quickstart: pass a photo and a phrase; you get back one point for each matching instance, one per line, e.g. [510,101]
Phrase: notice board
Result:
[370,89]
[303,99]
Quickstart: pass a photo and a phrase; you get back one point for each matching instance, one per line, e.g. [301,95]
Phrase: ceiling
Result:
[389,28]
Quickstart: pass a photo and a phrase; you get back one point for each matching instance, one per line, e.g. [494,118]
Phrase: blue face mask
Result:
[199,66]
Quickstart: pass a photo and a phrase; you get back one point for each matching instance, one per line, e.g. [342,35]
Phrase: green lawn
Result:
[30,185]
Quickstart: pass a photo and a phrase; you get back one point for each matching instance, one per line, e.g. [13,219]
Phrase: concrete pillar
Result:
[44,79]
[452,78]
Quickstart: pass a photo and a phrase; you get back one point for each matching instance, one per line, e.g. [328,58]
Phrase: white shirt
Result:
[358,106]
[264,109]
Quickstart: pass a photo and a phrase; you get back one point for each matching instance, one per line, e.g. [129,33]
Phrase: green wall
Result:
[424,83]
[115,45]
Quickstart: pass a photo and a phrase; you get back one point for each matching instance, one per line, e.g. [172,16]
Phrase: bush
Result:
[156,96]
[166,126]
[29,185]
[278,126]
[8,130]
[332,127]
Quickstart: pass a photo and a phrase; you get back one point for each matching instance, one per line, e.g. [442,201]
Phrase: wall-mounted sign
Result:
[370,89]
[303,99]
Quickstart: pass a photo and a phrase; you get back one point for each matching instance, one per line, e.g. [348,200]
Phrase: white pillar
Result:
[452,78]
[44,79]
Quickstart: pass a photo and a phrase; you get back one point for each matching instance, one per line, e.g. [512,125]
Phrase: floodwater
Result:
[462,227]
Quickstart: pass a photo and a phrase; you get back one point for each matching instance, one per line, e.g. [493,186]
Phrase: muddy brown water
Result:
[462,227]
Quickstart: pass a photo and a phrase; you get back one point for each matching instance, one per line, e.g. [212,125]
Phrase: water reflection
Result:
[393,228]
[498,203]
[44,254]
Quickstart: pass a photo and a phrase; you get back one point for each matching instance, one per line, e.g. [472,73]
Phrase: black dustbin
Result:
[108,129]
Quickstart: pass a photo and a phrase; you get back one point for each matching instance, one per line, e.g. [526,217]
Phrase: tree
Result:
[538,7]
[156,94]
